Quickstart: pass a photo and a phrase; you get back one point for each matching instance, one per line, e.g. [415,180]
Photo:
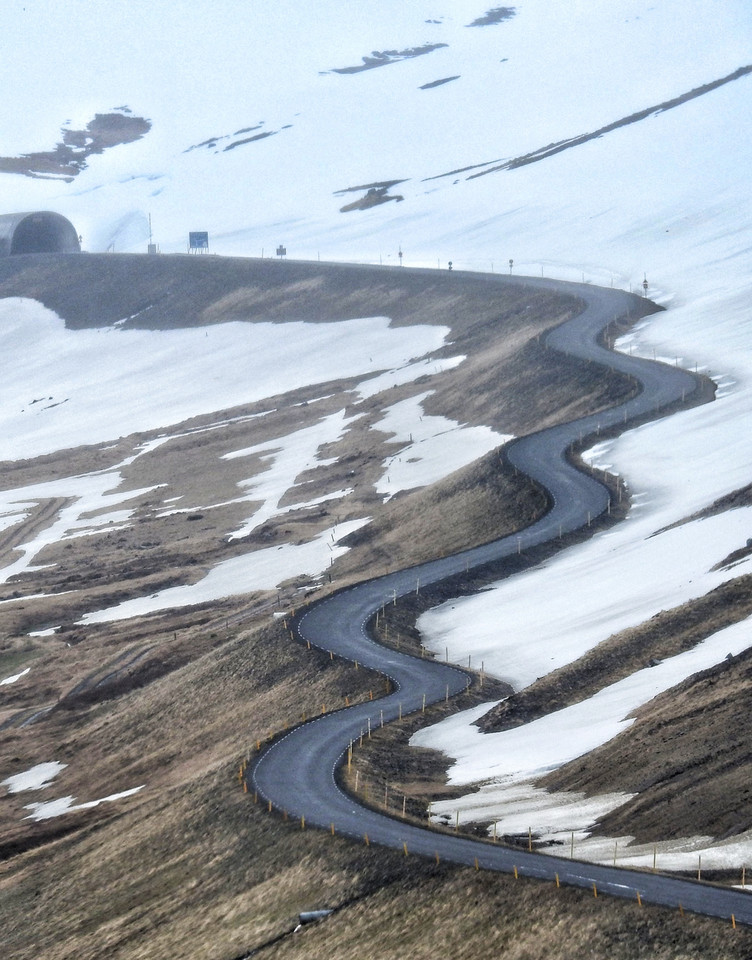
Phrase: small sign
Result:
[281,251]
[198,240]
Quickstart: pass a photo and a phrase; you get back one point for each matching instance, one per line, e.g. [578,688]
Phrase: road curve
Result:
[298,773]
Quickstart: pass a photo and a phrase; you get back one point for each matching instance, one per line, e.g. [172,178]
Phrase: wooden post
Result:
[557,879]
[699,866]
[530,839]
[571,848]
[302,823]
[404,805]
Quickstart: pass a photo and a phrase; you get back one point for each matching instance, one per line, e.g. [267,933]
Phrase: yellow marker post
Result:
[368,842]
[302,823]
[595,891]
[332,829]
[733,921]
[516,877]
[404,847]
[557,879]
[476,864]
[639,899]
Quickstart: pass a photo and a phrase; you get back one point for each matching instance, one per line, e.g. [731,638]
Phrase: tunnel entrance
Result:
[37,233]
[44,233]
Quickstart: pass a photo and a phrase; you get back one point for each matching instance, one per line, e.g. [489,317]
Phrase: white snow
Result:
[37,778]
[225,365]
[286,458]
[55,808]
[435,446]
[259,570]
[15,678]
[591,591]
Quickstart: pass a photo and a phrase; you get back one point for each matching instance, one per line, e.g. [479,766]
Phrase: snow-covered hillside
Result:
[262,125]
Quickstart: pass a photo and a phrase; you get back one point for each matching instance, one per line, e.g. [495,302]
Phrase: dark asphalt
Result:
[297,773]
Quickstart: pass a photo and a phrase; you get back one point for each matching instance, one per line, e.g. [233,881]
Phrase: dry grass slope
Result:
[190,866]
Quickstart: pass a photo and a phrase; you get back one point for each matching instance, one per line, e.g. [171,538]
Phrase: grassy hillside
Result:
[175,701]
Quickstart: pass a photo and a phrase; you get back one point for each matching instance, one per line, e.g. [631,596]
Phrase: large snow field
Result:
[63,388]
[504,766]
[138,380]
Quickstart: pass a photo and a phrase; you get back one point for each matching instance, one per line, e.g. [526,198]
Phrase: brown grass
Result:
[189,866]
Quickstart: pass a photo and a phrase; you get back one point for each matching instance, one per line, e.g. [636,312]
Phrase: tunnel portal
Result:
[41,232]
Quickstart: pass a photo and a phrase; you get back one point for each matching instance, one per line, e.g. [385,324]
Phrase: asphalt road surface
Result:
[298,773]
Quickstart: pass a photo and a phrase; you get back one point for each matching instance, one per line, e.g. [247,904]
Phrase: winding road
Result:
[298,773]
